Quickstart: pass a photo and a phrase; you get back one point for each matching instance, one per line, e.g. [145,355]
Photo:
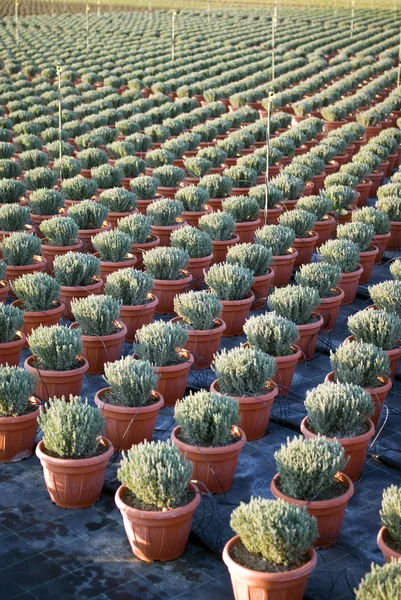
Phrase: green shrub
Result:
[156,474]
[291,187]
[390,515]
[301,221]
[42,177]
[20,249]
[46,202]
[198,310]
[68,167]
[131,382]
[193,198]
[9,169]
[76,270]
[130,286]
[295,303]
[387,296]
[307,468]
[37,291]
[274,195]
[390,190]
[359,363]
[165,212]
[217,186]
[56,348]
[229,282]
[243,371]
[195,242]
[166,263]
[395,269]
[16,387]
[391,206]
[241,176]
[378,327]
[342,253]
[220,226]
[369,215]
[271,334]
[96,315]
[381,582]
[59,231]
[169,176]
[32,159]
[11,320]
[113,246]
[320,206]
[92,158]
[11,191]
[243,209]
[13,217]
[160,343]
[197,167]
[88,214]
[79,188]
[144,187]
[138,227]
[342,197]
[276,237]
[118,200]
[359,233]
[254,257]
[321,276]
[71,429]
[107,177]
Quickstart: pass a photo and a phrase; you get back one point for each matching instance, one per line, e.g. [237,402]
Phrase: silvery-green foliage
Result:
[241,176]
[307,468]
[293,302]
[360,233]
[206,419]
[229,282]
[165,212]
[16,386]
[381,583]
[219,225]
[88,214]
[169,175]
[11,320]
[390,514]
[371,216]
[13,217]
[199,310]
[67,167]
[301,221]
[359,363]
[243,209]
[137,226]
[131,381]
[20,249]
[342,253]
[387,296]
[392,189]
[321,276]
[276,237]
[3,269]
[159,157]
[106,176]
[395,269]
[338,409]
[37,291]
[11,190]
[113,245]
[342,197]
[391,206]
[71,429]
[166,263]
[341,178]
[271,334]
[160,343]
[378,327]
[156,473]
[118,200]
[243,371]
[130,286]
[76,269]
[275,196]
[193,198]
[254,257]
[59,231]
[280,532]
[197,243]
[41,177]
[291,187]
[78,188]
[197,167]
[320,206]
[144,187]
[46,202]
[217,186]
[56,348]
[97,314]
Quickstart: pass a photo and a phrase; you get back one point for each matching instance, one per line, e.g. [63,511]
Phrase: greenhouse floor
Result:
[47,552]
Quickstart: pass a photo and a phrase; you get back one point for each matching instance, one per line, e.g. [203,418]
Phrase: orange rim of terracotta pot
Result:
[378,391]
[388,553]
[57,250]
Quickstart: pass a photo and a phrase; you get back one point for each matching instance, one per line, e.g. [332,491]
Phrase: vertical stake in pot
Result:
[60,113]
[269,114]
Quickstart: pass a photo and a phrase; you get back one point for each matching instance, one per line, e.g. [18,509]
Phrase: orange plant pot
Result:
[381,241]
[108,267]
[308,336]
[135,317]
[166,290]
[57,383]
[192,218]
[394,242]
[50,253]
[101,349]
[324,229]
[220,248]
[329,309]
[173,379]
[17,436]
[367,260]
[86,235]
[283,267]
[69,293]
[235,313]
[285,370]
[10,352]
[203,343]
[349,284]
[260,289]
[305,248]
[196,267]
[164,232]
[32,320]
[139,249]
[364,190]
[13,273]
[246,231]
[382,541]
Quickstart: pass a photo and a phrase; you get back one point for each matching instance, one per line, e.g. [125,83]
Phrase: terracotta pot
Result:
[260,289]
[259,585]
[166,290]
[331,167]
[381,241]
[273,215]
[355,448]
[143,204]
[10,352]
[192,218]
[329,309]
[128,425]
[220,248]
[289,204]
[383,539]
[157,535]
[246,231]
[367,260]
[114,217]
[324,228]
[167,192]
[99,349]
[69,293]
[37,220]
[203,343]
[173,379]
[376,179]
[17,435]
[364,191]
[215,467]
[50,253]
[32,320]
[254,411]
[331,125]
[305,248]
[57,383]
[86,235]
[342,219]
[329,513]
[394,242]
[342,159]
[164,232]
[135,317]
[308,336]
[138,249]
[372,131]
[216,204]
[318,182]
[235,313]
[286,369]
[4,291]
[13,273]
[392,159]
[196,268]
[283,267]
[107,266]
[74,483]
[349,284]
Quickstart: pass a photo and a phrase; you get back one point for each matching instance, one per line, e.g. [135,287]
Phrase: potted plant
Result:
[380,580]
[395,269]
[270,198]
[362,235]
[165,215]
[220,227]
[113,249]
[198,313]
[41,177]
[60,237]
[341,411]
[360,171]
[77,189]
[133,288]
[343,198]
[208,436]
[376,174]
[324,278]
[242,177]
[320,206]
[257,259]
[279,239]
[169,178]
[298,304]
[12,191]
[232,285]
[198,245]
[14,218]
[156,500]
[162,344]
[380,222]
[196,167]
[119,202]
[56,359]
[391,206]
[246,374]
[107,177]
[389,538]
[272,553]
[387,296]
[145,189]
[12,337]
[79,276]
[91,218]
[139,228]
[103,333]
[73,453]
[45,204]
[302,223]
[245,212]
[365,365]
[218,188]
[292,187]
[344,254]
[18,413]
[21,253]
[194,199]
[381,328]
[91,158]
[130,404]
